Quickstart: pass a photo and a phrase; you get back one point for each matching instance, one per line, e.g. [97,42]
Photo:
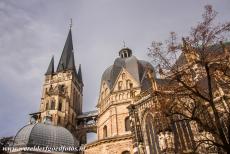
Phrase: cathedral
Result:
[127,120]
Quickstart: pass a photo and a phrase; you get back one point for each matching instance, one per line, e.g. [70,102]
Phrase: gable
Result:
[125,81]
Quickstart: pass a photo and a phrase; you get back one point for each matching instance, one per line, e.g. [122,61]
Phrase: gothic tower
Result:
[62,90]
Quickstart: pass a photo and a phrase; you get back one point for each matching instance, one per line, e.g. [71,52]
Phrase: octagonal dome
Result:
[136,68]
[41,134]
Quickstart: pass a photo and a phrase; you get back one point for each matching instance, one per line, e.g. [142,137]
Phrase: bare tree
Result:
[199,70]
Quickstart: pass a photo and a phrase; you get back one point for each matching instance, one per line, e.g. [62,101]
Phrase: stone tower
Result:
[62,90]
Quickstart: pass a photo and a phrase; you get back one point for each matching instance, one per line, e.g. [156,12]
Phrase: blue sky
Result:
[31,31]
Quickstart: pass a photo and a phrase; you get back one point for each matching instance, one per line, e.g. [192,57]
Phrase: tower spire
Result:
[50,69]
[67,54]
[71,64]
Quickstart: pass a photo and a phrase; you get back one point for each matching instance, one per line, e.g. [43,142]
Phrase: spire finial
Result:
[71,23]
[124,44]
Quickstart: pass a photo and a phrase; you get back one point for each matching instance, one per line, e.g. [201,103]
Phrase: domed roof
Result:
[43,135]
[130,63]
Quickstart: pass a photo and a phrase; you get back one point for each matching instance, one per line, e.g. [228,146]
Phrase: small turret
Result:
[79,74]
[50,69]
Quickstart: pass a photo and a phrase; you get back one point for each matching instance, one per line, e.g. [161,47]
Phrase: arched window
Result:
[127,124]
[47,105]
[120,97]
[152,137]
[62,88]
[125,152]
[52,105]
[120,85]
[123,76]
[129,85]
[105,131]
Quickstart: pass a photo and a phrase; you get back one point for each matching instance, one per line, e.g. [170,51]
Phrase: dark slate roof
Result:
[71,64]
[50,69]
[131,64]
[67,57]
[79,74]
[43,135]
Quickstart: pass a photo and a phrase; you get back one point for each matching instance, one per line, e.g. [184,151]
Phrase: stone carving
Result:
[57,90]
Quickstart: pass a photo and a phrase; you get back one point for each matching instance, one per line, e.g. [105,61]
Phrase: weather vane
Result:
[124,44]
[71,23]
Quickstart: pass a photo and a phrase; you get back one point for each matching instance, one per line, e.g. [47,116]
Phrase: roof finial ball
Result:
[125,52]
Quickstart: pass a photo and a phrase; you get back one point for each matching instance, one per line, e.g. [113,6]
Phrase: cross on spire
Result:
[124,44]
[71,23]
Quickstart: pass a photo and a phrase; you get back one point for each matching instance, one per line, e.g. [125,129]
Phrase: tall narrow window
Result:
[129,85]
[123,76]
[52,105]
[127,124]
[151,135]
[60,105]
[105,131]
[47,105]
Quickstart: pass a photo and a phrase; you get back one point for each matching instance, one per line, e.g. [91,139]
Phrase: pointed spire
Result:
[71,64]
[79,74]
[66,53]
[50,69]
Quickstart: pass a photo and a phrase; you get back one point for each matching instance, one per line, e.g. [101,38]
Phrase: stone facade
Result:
[62,99]
[113,126]
[118,145]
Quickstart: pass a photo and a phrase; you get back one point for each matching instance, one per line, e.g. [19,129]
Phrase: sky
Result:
[31,31]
